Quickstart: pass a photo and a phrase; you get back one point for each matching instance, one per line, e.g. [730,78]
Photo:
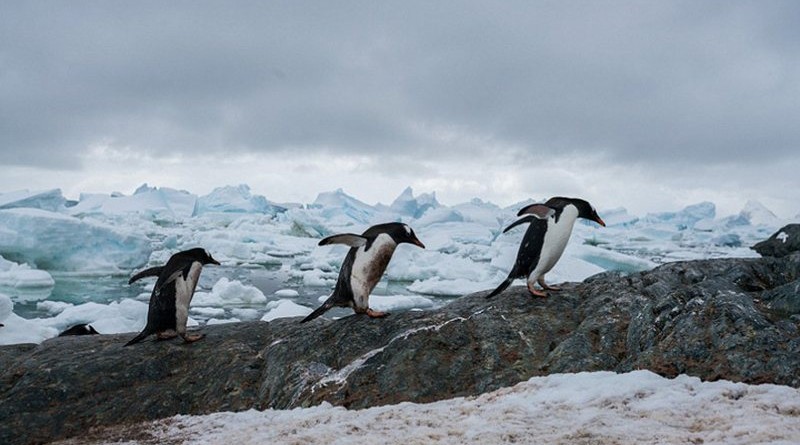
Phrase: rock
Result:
[730,319]
[781,243]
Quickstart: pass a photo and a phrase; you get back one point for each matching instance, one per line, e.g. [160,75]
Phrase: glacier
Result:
[56,252]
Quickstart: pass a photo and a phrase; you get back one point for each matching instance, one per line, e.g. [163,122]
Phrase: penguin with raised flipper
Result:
[364,266]
[174,289]
[550,226]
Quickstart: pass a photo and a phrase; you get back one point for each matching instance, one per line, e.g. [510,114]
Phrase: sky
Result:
[645,105]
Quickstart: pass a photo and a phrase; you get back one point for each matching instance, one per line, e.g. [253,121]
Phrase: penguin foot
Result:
[191,338]
[166,335]
[546,287]
[536,292]
[376,314]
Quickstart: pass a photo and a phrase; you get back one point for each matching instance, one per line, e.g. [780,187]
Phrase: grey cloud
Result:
[663,81]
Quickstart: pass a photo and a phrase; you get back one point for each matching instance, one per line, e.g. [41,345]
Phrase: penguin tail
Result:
[320,310]
[142,335]
[503,286]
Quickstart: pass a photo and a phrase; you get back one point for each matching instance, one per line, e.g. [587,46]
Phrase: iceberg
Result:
[6,307]
[407,205]
[687,217]
[53,241]
[338,205]
[51,200]
[238,199]
[757,214]
[148,202]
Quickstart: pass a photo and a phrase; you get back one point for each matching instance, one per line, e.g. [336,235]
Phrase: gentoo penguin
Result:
[547,235]
[169,302]
[364,265]
[79,329]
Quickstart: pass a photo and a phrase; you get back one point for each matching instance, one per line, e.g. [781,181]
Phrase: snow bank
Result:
[599,407]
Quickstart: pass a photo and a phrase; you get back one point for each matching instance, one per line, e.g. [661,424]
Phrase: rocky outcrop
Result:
[734,319]
[783,242]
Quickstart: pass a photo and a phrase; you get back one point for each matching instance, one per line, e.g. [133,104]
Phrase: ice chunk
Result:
[51,200]
[338,205]
[22,276]
[213,321]
[6,307]
[618,217]
[149,202]
[238,199]
[686,217]
[286,293]
[443,287]
[284,308]
[438,215]
[757,214]
[52,241]
[406,204]
[227,292]
[609,259]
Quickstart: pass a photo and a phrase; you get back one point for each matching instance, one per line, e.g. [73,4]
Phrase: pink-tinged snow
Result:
[639,407]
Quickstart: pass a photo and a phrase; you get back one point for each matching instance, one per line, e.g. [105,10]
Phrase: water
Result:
[105,289]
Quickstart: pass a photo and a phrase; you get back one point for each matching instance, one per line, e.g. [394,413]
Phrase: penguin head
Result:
[200,255]
[400,233]
[587,211]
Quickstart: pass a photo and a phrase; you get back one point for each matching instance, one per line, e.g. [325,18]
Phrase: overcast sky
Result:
[646,105]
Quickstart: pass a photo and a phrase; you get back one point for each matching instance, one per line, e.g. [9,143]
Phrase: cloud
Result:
[414,88]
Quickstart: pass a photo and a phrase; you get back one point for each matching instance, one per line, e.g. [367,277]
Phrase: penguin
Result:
[174,289]
[550,226]
[79,329]
[364,266]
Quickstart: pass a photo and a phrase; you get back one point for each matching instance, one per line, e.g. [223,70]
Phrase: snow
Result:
[597,407]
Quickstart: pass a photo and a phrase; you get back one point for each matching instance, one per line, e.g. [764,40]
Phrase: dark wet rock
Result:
[734,319]
[783,242]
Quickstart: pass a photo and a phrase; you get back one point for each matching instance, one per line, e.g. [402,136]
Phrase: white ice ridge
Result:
[598,407]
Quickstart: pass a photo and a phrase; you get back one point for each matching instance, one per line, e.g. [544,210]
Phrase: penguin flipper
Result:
[348,239]
[151,272]
[319,311]
[523,220]
[503,286]
[541,211]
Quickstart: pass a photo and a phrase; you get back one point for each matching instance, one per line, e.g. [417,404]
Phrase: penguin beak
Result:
[599,220]
[213,261]
[415,241]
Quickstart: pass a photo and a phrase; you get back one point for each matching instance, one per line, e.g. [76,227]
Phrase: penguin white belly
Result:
[184,291]
[368,268]
[555,241]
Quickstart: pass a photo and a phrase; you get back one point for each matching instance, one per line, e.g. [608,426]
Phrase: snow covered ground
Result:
[586,408]
[64,262]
